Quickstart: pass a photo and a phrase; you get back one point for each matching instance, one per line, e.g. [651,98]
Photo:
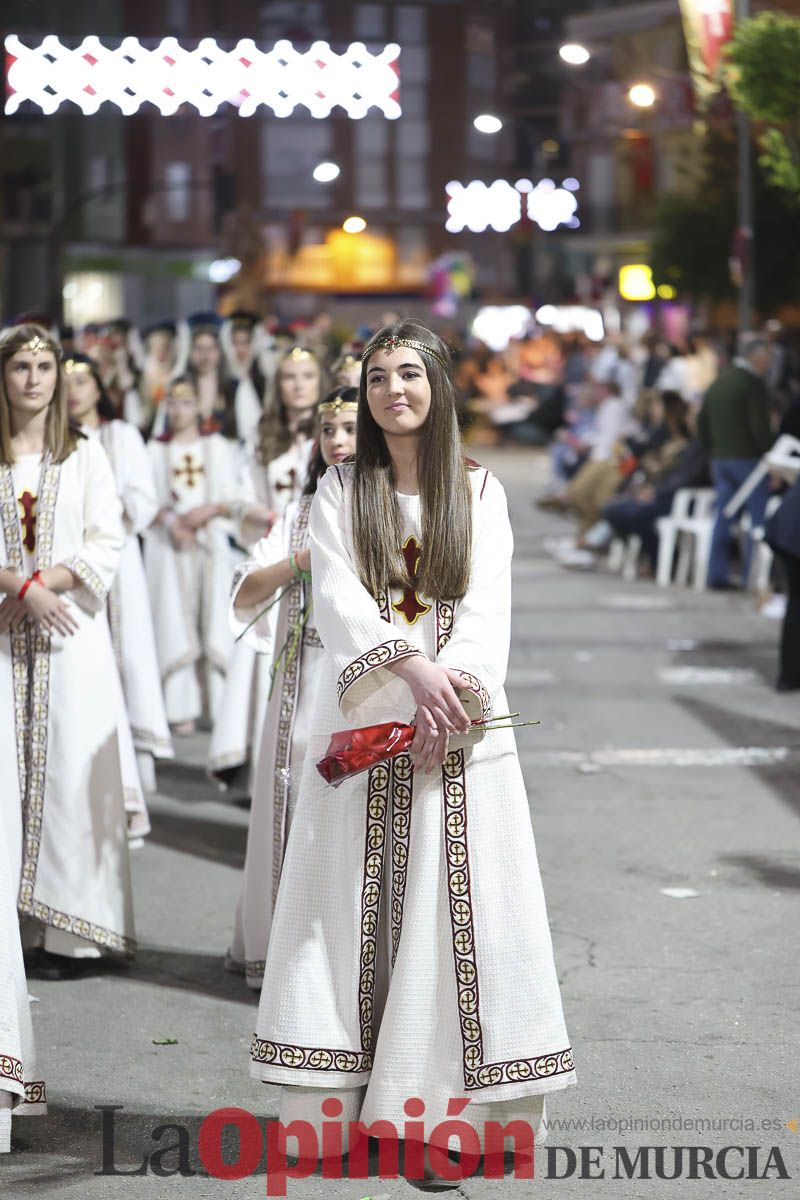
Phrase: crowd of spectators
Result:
[626,427]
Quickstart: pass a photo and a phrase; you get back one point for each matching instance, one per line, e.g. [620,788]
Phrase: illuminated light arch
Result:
[169,76]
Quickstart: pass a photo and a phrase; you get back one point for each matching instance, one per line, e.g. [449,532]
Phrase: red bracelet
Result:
[36,577]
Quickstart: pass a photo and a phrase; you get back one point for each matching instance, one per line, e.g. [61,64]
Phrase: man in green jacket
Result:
[734,426]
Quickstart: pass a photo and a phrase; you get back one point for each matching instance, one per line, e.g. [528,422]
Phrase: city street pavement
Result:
[664,760]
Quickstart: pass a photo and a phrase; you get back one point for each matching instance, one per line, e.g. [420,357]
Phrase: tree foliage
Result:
[763,78]
[694,233]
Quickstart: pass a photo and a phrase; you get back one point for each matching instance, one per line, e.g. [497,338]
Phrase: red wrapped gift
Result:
[353,751]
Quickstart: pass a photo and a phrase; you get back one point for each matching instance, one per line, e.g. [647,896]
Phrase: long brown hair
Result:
[60,437]
[273,436]
[445,494]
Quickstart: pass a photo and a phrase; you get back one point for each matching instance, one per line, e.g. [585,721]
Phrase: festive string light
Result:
[207,77]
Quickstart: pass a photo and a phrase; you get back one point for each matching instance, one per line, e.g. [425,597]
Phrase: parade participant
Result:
[61,790]
[21,1087]
[286,638]
[128,601]
[118,370]
[189,559]
[242,340]
[346,371]
[276,464]
[164,356]
[410,954]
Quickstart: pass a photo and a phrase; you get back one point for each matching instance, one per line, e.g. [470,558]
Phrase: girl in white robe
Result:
[61,791]
[410,953]
[285,730]
[128,602]
[190,557]
[21,1086]
[275,469]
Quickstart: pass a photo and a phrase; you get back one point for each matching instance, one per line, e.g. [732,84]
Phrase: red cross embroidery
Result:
[190,469]
[27,503]
[411,607]
[287,483]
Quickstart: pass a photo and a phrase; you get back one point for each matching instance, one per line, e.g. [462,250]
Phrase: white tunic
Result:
[128,602]
[410,949]
[61,793]
[189,588]
[283,736]
[241,714]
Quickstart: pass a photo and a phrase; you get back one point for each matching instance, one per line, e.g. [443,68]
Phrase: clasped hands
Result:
[42,604]
[439,710]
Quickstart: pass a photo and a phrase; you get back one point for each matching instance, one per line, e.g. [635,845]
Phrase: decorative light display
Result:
[207,77]
[496,325]
[479,206]
[636,282]
[572,318]
[550,206]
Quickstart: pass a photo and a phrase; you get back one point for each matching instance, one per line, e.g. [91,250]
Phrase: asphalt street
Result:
[664,783]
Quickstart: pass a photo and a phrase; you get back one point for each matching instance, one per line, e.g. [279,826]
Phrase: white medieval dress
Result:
[410,952]
[61,788]
[129,608]
[21,1086]
[189,588]
[237,729]
[283,736]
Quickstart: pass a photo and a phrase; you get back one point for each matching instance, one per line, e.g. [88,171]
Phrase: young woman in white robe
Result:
[21,1086]
[410,953]
[280,563]
[128,602]
[61,788]
[190,558]
[275,468]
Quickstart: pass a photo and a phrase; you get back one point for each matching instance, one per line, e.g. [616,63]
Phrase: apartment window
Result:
[370,21]
[409,23]
[412,183]
[292,149]
[177,180]
[371,146]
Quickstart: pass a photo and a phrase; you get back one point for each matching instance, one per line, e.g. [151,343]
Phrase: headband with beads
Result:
[37,344]
[392,342]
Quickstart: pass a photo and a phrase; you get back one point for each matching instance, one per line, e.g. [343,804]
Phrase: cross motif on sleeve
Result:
[411,607]
[27,504]
[190,469]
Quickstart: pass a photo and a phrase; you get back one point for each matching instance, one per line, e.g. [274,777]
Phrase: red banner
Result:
[707,27]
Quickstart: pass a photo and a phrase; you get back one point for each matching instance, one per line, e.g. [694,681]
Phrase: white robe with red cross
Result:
[410,951]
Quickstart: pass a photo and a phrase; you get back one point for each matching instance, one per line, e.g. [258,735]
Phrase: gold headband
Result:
[37,344]
[298,354]
[349,360]
[181,389]
[391,343]
[337,406]
[71,367]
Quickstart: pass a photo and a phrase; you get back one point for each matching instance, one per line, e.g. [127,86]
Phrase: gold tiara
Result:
[71,367]
[37,344]
[392,342]
[297,354]
[349,360]
[337,406]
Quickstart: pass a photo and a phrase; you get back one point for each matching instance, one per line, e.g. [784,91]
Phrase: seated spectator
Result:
[596,444]
[637,513]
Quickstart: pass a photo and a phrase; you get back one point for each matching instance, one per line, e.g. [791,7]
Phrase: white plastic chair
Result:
[761,565]
[692,517]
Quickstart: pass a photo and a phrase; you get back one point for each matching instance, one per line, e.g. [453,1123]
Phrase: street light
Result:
[324,172]
[574,54]
[354,225]
[642,95]
[487,123]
